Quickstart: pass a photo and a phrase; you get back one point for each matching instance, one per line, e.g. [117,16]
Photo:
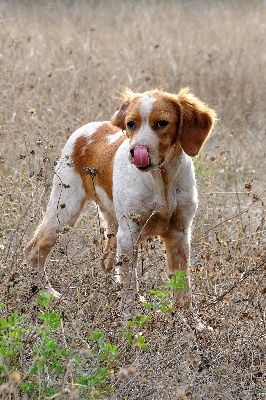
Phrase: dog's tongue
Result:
[141,156]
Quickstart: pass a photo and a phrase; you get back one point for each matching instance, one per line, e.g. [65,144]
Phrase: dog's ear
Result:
[118,119]
[196,122]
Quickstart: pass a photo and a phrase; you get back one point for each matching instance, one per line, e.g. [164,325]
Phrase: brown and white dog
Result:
[138,169]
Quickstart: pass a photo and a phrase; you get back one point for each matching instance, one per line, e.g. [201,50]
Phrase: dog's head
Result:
[156,121]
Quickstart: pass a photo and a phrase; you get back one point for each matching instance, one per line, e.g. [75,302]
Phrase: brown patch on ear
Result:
[196,122]
[118,118]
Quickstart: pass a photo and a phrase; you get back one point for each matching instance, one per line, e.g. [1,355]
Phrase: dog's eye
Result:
[131,125]
[161,124]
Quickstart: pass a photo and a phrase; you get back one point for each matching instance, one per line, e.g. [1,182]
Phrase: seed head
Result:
[32,111]
[74,393]
[4,388]
[86,353]
[14,377]
[70,367]
[223,368]
[94,394]
[123,374]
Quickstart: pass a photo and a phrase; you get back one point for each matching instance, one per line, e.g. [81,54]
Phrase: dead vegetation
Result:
[61,64]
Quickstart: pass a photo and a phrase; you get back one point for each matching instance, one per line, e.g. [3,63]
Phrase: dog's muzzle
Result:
[140,156]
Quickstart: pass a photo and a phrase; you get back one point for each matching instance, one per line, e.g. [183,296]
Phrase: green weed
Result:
[56,369]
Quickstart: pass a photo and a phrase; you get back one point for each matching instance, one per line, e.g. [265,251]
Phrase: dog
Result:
[138,169]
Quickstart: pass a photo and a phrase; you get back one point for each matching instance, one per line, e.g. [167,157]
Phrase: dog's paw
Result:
[181,300]
[141,299]
[50,291]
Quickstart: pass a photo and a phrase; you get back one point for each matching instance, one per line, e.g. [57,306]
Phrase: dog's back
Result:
[138,169]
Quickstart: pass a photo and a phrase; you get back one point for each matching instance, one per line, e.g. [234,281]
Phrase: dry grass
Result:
[61,64]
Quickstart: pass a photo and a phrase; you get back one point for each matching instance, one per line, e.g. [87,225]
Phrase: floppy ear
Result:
[118,119]
[196,122]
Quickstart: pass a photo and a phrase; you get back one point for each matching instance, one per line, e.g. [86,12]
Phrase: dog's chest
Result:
[163,199]
[150,202]
[152,199]
[159,203]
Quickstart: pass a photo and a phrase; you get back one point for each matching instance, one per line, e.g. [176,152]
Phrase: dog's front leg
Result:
[126,273]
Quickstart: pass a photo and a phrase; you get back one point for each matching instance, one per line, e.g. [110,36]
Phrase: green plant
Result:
[11,333]
[102,355]
[202,169]
[51,363]
[177,281]
[49,357]
[163,303]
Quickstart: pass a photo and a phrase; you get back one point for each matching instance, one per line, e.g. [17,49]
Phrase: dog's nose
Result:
[132,150]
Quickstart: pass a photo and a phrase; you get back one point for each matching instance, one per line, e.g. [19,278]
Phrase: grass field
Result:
[61,63]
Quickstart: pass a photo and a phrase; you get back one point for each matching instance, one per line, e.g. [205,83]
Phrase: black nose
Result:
[132,150]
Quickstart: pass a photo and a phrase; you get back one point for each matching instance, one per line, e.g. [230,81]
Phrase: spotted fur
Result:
[97,163]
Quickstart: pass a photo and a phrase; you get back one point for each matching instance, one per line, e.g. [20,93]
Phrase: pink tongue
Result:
[141,156]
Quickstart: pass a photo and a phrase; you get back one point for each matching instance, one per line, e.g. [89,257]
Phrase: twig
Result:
[245,276]
[63,332]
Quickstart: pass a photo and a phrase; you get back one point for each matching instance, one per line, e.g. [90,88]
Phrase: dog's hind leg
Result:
[109,255]
[65,205]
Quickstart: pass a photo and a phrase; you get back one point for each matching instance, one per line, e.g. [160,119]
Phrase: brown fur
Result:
[134,206]
[97,155]
[194,120]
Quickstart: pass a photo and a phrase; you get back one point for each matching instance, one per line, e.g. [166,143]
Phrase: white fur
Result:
[87,130]
[106,203]
[67,192]
[145,190]
[67,195]
[161,200]
[146,107]
[145,136]
[114,137]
